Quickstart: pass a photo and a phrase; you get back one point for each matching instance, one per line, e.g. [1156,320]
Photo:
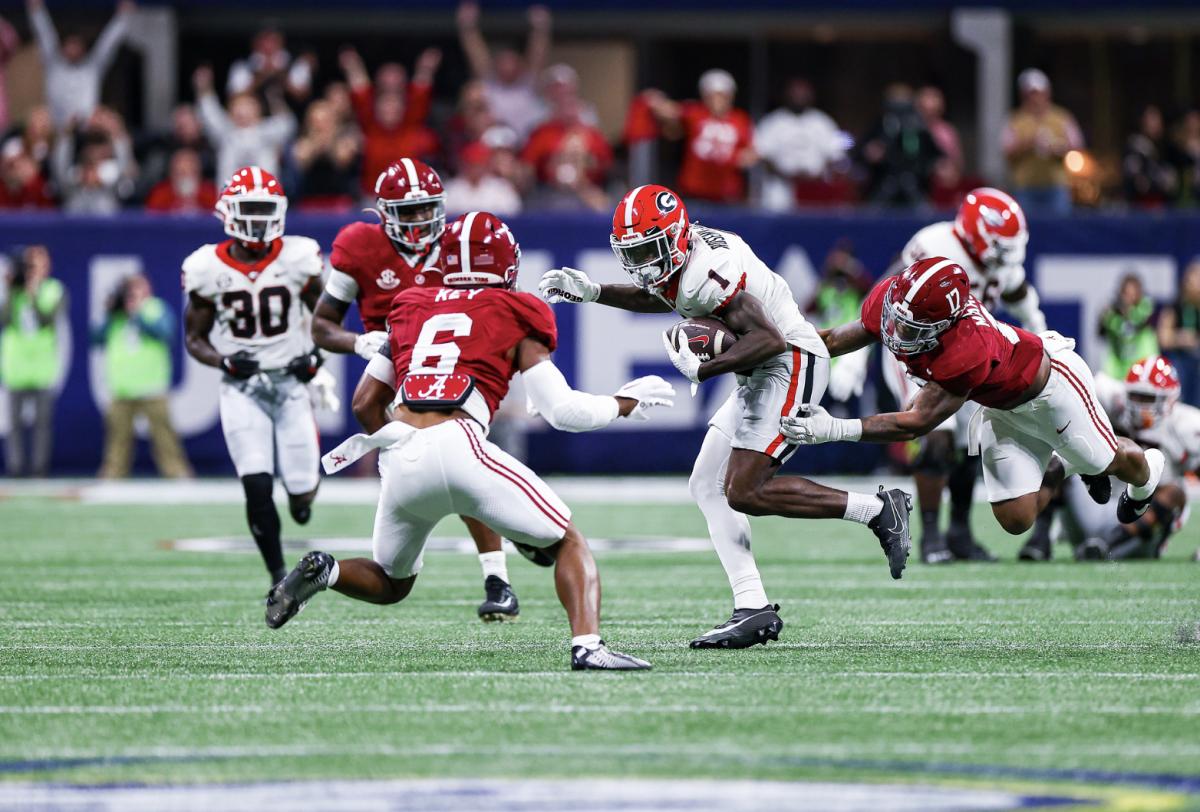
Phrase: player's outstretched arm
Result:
[568,409]
[571,285]
[930,408]
[758,338]
[846,338]
[327,330]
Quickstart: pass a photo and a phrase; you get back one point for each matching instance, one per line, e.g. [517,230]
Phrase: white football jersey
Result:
[258,305]
[719,265]
[1177,435]
[939,240]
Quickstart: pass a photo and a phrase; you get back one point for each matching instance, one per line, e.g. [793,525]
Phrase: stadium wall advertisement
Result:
[1076,263]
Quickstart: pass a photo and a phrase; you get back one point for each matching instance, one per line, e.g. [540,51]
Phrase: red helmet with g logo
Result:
[922,303]
[651,234]
[1151,390]
[992,227]
[252,206]
[479,250]
[410,199]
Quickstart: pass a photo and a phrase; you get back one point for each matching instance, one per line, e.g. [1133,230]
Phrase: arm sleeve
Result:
[43,29]
[110,40]
[381,368]
[341,286]
[564,408]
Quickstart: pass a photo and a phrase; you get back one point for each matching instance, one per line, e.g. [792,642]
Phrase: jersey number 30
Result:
[244,322]
[431,355]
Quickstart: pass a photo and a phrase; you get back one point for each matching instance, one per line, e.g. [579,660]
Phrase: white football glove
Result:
[322,391]
[816,426]
[367,344]
[648,391]
[848,375]
[568,285]
[686,361]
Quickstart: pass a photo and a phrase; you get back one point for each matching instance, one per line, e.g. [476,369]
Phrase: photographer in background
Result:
[29,365]
[136,337]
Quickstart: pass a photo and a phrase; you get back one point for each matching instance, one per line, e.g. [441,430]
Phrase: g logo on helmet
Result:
[666,202]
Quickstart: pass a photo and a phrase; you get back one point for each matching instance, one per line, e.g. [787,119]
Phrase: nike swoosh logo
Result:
[505,604]
[1064,428]
[895,514]
[728,626]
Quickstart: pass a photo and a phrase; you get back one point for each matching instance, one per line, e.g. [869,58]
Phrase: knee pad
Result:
[258,488]
[936,456]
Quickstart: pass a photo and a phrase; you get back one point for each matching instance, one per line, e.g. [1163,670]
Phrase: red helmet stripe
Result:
[464,241]
[413,182]
[629,200]
[912,292]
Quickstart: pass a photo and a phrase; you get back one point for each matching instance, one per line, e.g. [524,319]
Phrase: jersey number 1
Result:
[445,353]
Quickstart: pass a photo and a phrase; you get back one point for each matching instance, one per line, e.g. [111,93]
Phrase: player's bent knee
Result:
[400,588]
[1016,516]
[746,500]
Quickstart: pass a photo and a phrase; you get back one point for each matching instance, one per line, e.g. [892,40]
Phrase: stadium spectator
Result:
[506,161]
[94,167]
[1185,157]
[1126,327]
[472,118]
[155,150]
[899,152]
[324,161]
[589,149]
[478,188]
[29,359]
[1038,136]
[931,105]
[241,136]
[1148,178]
[73,73]
[9,43]
[392,116]
[718,139]
[1179,333]
[136,338]
[270,69]
[337,96]
[38,137]
[799,145]
[509,78]
[185,189]
[571,171]
[22,185]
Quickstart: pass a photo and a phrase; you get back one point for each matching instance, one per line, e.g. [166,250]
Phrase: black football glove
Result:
[305,366]
[240,365]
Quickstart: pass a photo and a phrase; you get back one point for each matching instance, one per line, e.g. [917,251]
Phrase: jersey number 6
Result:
[445,353]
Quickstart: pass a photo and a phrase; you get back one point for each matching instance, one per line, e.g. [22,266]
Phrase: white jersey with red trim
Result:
[1177,435]
[259,309]
[719,264]
[939,240]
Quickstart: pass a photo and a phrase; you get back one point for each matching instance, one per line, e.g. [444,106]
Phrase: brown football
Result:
[708,337]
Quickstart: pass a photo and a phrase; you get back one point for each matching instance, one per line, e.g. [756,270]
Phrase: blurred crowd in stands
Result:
[522,136]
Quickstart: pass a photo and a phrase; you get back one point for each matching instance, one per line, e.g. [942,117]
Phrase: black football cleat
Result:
[892,530]
[1099,487]
[1036,547]
[934,549]
[537,555]
[500,603]
[1129,510]
[288,597]
[745,628]
[963,545]
[602,658]
[1092,549]
[278,575]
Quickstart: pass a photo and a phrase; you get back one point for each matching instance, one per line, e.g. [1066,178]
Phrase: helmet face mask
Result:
[648,261]
[253,207]
[1152,389]
[905,335]
[416,224]
[922,303]
[651,235]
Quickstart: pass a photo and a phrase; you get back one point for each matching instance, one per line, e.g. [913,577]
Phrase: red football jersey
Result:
[709,170]
[467,330]
[990,362]
[363,251]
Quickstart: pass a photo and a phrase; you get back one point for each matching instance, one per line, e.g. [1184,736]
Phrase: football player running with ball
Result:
[371,263]
[246,316]
[782,367]
[1040,420]
[453,350]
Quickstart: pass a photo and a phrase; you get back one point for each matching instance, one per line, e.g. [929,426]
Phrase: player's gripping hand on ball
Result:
[817,426]
[646,392]
[568,285]
[686,361]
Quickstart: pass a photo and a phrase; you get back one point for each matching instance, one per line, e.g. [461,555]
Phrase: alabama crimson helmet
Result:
[479,250]
[252,206]
[1151,391]
[410,199]
[921,303]
[651,234]
[991,225]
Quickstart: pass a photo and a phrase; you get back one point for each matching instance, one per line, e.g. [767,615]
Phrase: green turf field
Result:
[113,646]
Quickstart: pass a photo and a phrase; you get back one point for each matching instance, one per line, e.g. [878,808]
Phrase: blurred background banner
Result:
[1077,263]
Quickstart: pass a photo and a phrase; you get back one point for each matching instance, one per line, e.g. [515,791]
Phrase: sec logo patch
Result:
[388,279]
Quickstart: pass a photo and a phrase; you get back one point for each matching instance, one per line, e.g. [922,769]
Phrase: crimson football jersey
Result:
[987,361]
[467,330]
[368,269]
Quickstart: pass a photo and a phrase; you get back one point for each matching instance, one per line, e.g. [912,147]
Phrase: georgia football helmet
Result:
[479,250]
[651,235]
[991,225]
[921,303]
[412,203]
[252,206]
[1151,390]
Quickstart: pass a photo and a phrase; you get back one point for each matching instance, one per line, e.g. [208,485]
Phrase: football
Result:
[708,337]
